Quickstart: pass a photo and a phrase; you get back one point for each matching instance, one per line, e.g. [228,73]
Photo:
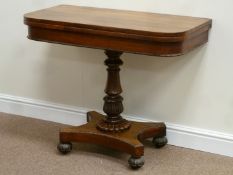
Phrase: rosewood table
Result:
[117,31]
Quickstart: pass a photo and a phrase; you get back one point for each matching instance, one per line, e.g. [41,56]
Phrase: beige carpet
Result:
[28,147]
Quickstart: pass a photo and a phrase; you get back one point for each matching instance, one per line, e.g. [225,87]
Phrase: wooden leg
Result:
[111,130]
[113,106]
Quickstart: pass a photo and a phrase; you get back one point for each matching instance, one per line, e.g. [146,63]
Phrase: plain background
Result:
[193,90]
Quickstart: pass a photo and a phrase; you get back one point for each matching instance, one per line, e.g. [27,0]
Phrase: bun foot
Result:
[64,148]
[136,163]
[160,142]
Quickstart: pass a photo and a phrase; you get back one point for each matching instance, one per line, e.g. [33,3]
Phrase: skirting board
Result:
[178,135]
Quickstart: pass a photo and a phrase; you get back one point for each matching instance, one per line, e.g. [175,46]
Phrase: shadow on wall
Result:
[153,86]
[66,72]
[160,87]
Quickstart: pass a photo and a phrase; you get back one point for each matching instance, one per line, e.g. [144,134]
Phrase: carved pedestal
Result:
[113,106]
[112,130]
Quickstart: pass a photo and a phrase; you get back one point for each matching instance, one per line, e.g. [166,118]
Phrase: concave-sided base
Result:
[128,141]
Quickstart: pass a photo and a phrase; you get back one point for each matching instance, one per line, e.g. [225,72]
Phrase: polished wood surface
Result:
[129,142]
[117,31]
[128,31]
[118,20]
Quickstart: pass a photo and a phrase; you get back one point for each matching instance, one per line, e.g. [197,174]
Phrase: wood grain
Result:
[126,31]
[129,142]
[107,19]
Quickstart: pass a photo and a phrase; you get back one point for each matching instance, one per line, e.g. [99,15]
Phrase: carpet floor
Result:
[28,147]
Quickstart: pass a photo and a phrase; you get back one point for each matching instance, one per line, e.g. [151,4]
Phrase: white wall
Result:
[193,90]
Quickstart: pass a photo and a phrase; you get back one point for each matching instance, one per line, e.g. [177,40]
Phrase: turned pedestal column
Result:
[113,106]
[112,130]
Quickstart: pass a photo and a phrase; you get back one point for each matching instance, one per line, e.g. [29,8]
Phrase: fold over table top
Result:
[127,31]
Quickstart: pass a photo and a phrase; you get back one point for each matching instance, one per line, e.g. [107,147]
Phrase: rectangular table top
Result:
[130,31]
